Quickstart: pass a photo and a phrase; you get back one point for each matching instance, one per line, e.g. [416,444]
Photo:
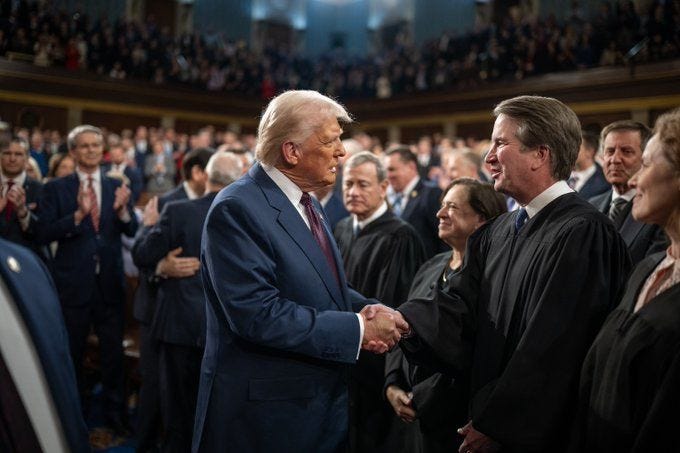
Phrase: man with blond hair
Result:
[281,323]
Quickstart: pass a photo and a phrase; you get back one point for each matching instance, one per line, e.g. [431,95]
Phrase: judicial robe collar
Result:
[376,215]
[548,195]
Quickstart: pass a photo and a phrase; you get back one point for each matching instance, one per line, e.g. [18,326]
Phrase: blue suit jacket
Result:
[180,312]
[80,247]
[280,328]
[421,213]
[642,239]
[144,305]
[35,297]
[595,185]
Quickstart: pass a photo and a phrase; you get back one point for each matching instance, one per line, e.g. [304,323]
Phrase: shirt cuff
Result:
[24,222]
[361,333]
[125,217]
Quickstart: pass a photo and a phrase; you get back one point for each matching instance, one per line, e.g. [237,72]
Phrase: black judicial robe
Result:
[382,259]
[520,315]
[440,403]
[630,384]
[380,263]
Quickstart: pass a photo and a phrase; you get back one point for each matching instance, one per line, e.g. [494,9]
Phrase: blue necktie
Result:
[521,219]
[396,204]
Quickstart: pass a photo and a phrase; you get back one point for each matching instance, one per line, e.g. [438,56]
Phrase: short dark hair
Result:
[591,140]
[482,197]
[405,154]
[198,156]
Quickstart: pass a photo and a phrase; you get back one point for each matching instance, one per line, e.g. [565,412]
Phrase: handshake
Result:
[383,328]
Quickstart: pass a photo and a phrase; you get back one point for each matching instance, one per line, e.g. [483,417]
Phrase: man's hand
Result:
[369,311]
[178,267]
[84,203]
[150,216]
[122,198]
[476,442]
[401,402]
[17,195]
[380,332]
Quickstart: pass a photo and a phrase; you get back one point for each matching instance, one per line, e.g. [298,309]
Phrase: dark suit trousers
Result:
[148,410]
[107,320]
[180,369]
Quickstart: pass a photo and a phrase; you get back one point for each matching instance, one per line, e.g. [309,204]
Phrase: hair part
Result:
[366,157]
[82,129]
[543,121]
[294,116]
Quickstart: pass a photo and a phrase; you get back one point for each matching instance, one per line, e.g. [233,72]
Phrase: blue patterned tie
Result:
[521,219]
[396,204]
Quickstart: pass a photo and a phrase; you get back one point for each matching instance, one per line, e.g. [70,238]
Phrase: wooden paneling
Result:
[29,115]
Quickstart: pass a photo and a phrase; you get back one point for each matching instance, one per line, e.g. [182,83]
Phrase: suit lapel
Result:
[107,200]
[411,202]
[290,220]
[630,228]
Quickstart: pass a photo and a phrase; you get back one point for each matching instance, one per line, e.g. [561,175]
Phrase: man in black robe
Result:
[381,254]
[534,288]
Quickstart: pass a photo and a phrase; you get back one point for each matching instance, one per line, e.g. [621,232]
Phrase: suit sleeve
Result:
[241,278]
[56,216]
[151,247]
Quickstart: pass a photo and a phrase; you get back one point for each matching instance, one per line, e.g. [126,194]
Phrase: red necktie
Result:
[9,207]
[318,232]
[94,213]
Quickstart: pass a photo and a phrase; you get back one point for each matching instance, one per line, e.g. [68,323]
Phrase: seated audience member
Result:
[179,319]
[19,196]
[587,177]
[39,405]
[381,254]
[432,405]
[86,213]
[61,164]
[412,198]
[159,170]
[629,395]
[622,145]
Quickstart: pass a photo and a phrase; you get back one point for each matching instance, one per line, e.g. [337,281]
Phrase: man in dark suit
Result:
[119,167]
[18,197]
[281,327]
[427,157]
[86,213]
[332,205]
[172,265]
[179,320]
[413,199]
[39,405]
[622,145]
[587,177]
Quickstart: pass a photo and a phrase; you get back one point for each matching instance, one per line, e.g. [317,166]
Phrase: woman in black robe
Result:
[630,383]
[430,405]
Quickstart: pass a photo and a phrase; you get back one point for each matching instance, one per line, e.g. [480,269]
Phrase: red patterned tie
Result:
[9,207]
[94,213]
[318,232]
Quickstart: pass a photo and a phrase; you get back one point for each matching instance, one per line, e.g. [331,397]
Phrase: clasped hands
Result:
[383,328]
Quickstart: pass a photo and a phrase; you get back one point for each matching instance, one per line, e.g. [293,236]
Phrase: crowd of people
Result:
[512,48]
[520,325]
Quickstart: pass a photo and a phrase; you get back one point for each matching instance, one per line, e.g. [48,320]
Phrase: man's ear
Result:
[542,153]
[290,153]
